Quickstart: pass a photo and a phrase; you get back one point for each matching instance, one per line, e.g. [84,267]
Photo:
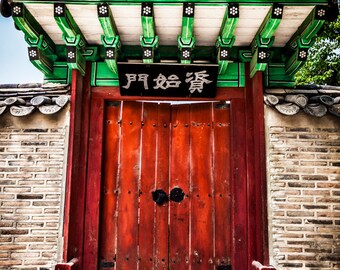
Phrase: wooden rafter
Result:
[186,41]
[42,49]
[72,36]
[110,39]
[304,38]
[264,39]
[149,39]
[226,38]
[230,43]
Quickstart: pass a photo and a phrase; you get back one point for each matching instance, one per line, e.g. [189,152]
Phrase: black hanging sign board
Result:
[167,80]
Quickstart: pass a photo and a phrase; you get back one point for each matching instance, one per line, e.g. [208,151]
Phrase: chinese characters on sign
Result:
[167,80]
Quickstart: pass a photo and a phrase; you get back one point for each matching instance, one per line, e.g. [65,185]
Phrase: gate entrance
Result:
[165,201]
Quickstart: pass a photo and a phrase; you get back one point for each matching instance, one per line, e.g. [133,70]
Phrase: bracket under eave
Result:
[226,38]
[264,39]
[304,38]
[149,39]
[42,48]
[186,41]
[110,39]
[72,36]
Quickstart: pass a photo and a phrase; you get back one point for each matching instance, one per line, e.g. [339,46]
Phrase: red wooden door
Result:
[183,151]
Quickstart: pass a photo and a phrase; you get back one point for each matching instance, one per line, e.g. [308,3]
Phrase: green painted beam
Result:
[233,77]
[264,39]
[308,29]
[275,76]
[110,38]
[34,33]
[40,60]
[148,40]
[229,24]
[247,2]
[61,74]
[75,60]
[42,50]
[296,61]
[270,24]
[226,38]
[72,36]
[303,39]
[259,61]
[186,41]
[107,21]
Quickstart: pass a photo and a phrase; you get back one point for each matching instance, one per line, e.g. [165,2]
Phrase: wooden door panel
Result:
[201,185]
[147,185]
[108,233]
[158,146]
[127,242]
[162,182]
[221,148]
[179,178]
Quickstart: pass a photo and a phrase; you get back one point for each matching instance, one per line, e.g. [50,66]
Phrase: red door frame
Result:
[81,237]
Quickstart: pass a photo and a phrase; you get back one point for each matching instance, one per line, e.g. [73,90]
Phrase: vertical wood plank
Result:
[202,234]
[260,171]
[221,150]
[94,173]
[108,231]
[179,178]
[239,185]
[146,204]
[251,169]
[127,242]
[74,177]
[162,182]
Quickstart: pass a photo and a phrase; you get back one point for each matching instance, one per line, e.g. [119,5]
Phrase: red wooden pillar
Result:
[255,158]
[239,185]
[248,176]
[76,167]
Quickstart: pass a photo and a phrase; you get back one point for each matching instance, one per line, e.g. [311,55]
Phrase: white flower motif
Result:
[303,54]
[233,11]
[224,53]
[278,11]
[147,10]
[59,10]
[186,54]
[147,53]
[103,10]
[321,12]
[16,10]
[32,53]
[189,10]
[110,53]
[71,55]
[262,55]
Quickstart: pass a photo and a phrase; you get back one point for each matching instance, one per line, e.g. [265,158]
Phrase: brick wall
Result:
[31,187]
[303,172]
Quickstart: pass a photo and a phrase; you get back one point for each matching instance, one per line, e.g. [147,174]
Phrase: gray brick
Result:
[305,226]
[31,167]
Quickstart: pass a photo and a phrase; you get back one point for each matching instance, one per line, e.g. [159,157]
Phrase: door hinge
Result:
[113,103]
[107,264]
[223,267]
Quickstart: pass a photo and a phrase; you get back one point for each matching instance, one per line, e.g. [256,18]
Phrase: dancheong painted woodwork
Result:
[274,36]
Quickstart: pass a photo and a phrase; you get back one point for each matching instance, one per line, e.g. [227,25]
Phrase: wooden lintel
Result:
[222,93]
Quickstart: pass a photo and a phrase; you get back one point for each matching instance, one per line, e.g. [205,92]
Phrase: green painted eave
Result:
[259,2]
[110,44]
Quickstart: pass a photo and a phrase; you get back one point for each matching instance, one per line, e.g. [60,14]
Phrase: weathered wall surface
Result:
[303,161]
[32,154]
